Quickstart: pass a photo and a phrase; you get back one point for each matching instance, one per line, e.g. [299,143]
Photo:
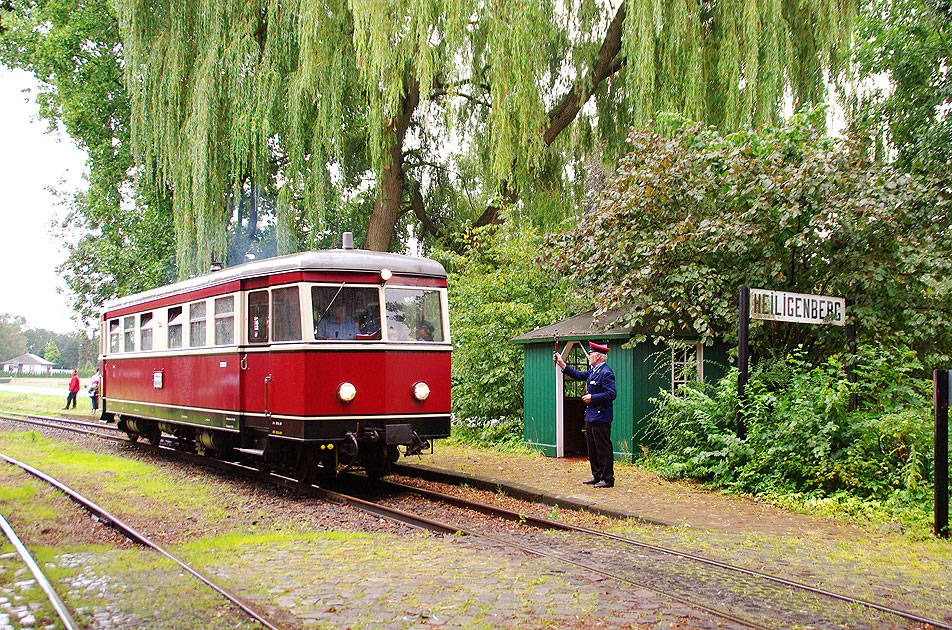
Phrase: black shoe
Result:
[591,482]
[605,484]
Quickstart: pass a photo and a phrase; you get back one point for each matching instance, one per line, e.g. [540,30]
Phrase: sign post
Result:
[743,357]
[778,306]
[941,392]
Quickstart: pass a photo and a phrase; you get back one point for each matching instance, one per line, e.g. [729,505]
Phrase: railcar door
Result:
[256,377]
[274,365]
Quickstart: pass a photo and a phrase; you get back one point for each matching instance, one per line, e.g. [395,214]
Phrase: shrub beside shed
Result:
[554,413]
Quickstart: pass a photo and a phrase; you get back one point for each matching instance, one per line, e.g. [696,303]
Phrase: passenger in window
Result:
[337,325]
[398,331]
[424,331]
[369,320]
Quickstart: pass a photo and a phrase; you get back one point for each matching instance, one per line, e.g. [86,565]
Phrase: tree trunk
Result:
[386,210]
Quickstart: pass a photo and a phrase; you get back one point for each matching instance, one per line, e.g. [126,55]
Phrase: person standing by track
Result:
[598,412]
[73,390]
[94,391]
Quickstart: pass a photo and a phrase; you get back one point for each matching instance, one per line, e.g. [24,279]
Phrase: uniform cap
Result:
[597,347]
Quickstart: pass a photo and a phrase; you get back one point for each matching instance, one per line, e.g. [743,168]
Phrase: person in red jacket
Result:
[73,390]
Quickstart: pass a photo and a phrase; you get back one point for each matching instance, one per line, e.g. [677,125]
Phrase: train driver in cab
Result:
[337,324]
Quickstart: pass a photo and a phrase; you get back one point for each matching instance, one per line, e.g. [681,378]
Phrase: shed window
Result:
[225,321]
[286,314]
[687,365]
[145,331]
[175,327]
[114,335]
[129,334]
[258,317]
[578,360]
[196,324]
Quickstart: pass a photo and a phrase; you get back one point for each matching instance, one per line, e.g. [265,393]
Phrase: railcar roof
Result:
[337,260]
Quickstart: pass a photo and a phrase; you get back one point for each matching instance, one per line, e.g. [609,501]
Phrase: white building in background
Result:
[28,364]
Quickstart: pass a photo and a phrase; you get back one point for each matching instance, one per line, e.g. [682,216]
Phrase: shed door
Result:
[571,429]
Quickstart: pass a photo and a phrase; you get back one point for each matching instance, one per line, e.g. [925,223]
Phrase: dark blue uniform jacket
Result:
[601,385]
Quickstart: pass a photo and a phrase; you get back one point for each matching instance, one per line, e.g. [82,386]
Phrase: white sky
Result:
[30,161]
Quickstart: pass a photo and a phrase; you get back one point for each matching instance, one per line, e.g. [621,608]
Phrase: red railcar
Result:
[311,361]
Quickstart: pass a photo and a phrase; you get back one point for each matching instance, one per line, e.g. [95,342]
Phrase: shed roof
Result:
[581,326]
[28,359]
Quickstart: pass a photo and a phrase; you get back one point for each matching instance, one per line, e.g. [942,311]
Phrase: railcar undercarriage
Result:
[373,449]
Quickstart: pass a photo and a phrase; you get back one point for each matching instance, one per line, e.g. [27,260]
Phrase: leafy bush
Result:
[801,436]
[691,215]
[496,292]
[501,433]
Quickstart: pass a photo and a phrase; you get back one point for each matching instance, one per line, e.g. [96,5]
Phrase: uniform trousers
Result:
[598,439]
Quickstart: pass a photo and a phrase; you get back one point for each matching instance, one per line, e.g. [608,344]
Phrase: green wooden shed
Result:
[553,409]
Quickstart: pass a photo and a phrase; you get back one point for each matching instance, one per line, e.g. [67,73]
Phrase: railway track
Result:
[742,595]
[736,594]
[132,534]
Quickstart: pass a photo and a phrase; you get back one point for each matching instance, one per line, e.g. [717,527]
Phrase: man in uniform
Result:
[598,412]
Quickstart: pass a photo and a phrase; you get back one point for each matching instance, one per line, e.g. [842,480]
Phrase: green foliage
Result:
[801,437]
[73,47]
[12,340]
[496,292]
[691,215]
[910,42]
[51,353]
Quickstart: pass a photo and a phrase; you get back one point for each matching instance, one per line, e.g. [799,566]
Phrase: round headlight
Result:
[385,274]
[346,392]
[421,391]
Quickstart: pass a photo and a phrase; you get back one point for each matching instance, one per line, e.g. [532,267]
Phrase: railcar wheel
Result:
[378,466]
[305,470]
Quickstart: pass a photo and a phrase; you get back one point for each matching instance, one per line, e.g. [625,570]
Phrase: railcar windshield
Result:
[343,313]
[414,315]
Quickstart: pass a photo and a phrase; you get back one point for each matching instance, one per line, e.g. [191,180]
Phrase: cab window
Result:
[342,313]
[414,315]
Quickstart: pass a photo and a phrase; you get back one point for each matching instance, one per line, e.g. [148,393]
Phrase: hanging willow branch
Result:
[291,93]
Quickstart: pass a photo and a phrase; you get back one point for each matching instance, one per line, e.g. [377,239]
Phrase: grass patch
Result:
[117,481]
[44,404]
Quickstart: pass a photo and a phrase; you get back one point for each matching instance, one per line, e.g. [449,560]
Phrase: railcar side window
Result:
[225,321]
[287,314]
[258,317]
[345,313]
[196,324]
[414,315]
[145,331]
[114,335]
[129,334]
[175,327]
[687,365]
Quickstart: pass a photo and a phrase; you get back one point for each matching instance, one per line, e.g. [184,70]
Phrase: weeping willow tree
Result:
[438,111]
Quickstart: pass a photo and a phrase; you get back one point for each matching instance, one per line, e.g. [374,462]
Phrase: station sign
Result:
[783,306]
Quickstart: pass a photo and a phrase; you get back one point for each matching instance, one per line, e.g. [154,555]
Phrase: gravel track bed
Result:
[744,596]
[445,581]
[453,582]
